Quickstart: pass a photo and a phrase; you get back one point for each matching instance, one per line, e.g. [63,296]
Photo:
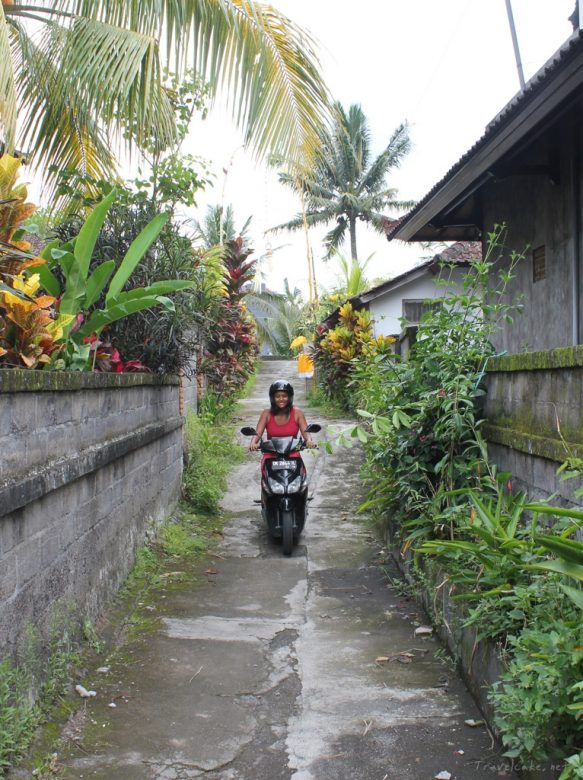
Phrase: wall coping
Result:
[21,490]
[559,357]
[538,446]
[20,380]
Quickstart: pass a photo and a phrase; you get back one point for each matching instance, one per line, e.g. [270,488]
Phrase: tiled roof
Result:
[460,252]
[570,49]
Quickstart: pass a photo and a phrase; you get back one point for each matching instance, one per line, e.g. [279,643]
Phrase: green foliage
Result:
[539,698]
[163,339]
[337,351]
[211,455]
[82,287]
[573,769]
[183,538]
[17,716]
[283,318]
[29,689]
[514,567]
[430,444]
[230,334]
[108,57]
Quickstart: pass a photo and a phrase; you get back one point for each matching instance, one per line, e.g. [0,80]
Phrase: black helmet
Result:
[281,386]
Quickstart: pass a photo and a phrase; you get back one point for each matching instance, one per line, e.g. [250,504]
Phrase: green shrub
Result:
[211,454]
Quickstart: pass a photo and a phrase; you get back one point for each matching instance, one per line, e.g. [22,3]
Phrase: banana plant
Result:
[82,289]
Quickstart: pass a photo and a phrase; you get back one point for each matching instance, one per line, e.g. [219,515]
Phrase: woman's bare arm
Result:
[260,427]
[302,424]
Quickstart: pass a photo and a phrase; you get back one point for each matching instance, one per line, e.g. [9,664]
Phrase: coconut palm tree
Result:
[218,226]
[278,317]
[78,75]
[345,184]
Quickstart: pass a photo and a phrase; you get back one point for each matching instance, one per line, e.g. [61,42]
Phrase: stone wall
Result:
[533,418]
[88,463]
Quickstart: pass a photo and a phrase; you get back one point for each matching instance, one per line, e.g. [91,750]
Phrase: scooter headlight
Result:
[295,485]
[275,486]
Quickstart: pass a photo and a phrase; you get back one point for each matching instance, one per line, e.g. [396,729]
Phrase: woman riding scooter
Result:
[284,485]
[282,418]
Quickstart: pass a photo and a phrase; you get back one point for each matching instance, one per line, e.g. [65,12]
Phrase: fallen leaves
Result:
[403,657]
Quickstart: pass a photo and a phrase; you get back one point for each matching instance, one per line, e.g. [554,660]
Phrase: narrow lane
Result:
[269,668]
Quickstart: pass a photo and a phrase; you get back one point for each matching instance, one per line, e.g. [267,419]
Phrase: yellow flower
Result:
[298,342]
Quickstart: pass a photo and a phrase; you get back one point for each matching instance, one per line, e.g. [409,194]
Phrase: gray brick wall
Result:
[86,469]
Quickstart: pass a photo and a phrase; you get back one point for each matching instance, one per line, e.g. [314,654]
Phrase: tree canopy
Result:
[345,184]
[76,76]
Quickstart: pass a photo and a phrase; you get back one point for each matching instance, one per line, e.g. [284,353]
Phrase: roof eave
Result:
[430,221]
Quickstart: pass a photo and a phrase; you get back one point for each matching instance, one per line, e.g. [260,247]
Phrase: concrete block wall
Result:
[533,418]
[89,462]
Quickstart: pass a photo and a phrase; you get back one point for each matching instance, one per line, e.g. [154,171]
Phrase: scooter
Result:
[284,486]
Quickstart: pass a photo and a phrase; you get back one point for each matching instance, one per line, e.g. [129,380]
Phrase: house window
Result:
[413,311]
[539,264]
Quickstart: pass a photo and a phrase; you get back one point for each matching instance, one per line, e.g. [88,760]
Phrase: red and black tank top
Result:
[289,428]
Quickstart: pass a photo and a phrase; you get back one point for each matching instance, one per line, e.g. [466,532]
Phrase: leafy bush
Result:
[211,455]
[162,339]
[338,349]
[539,698]
[231,342]
[429,443]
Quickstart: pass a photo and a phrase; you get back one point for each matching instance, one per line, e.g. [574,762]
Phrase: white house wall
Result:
[387,310]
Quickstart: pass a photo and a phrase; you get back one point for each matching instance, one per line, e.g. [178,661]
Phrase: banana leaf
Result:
[97,281]
[137,250]
[99,319]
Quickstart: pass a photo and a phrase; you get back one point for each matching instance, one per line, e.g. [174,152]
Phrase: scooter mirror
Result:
[247,431]
[314,428]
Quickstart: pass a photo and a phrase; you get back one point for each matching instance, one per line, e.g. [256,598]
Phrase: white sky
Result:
[447,67]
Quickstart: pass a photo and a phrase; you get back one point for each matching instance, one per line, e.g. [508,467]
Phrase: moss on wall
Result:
[561,357]
[535,445]
[14,380]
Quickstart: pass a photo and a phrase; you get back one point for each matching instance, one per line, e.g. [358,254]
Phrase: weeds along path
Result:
[272,668]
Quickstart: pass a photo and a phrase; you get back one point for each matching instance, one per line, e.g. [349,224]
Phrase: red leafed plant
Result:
[232,344]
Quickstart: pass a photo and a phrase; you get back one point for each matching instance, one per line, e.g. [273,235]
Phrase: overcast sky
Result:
[447,67]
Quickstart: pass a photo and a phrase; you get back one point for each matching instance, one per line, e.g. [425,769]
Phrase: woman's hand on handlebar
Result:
[255,443]
[311,445]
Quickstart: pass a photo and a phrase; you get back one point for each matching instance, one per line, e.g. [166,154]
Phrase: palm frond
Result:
[7,88]
[57,128]
[335,238]
[397,148]
[107,58]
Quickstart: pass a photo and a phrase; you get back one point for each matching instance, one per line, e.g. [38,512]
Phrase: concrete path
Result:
[268,667]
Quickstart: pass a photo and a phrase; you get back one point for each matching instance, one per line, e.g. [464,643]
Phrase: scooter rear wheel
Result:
[287,527]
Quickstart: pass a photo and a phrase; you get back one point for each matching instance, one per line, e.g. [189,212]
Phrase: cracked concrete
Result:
[268,670]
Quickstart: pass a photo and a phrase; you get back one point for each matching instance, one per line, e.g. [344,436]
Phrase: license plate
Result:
[279,465]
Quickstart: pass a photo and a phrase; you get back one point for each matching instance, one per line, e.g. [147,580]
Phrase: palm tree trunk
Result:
[352,228]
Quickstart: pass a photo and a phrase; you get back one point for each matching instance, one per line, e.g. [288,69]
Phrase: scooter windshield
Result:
[283,445]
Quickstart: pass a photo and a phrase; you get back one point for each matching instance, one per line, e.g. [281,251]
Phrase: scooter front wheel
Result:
[287,528]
